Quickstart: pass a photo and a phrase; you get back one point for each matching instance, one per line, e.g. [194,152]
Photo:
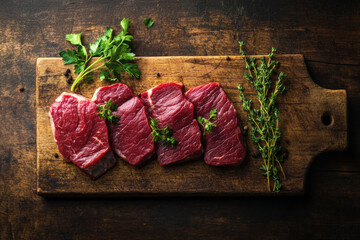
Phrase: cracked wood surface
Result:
[327,34]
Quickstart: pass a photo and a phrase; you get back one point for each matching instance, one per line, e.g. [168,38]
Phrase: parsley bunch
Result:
[164,135]
[207,125]
[105,112]
[112,50]
[265,120]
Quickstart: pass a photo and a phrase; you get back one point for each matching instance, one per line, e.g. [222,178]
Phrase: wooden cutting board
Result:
[313,120]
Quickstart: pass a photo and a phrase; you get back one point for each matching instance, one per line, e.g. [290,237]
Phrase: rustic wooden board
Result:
[301,111]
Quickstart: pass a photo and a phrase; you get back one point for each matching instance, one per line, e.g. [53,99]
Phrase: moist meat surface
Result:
[224,146]
[81,136]
[167,103]
[131,139]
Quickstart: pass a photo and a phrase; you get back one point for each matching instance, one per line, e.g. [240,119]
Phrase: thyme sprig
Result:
[265,119]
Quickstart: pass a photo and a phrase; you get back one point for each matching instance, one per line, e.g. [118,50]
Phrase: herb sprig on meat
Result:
[112,50]
[164,135]
[105,112]
[206,123]
[265,120]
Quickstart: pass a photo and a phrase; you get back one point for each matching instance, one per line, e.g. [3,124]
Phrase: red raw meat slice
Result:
[81,136]
[167,104]
[224,146]
[131,139]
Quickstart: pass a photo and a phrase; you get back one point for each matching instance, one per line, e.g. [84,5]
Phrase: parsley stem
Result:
[94,69]
[86,71]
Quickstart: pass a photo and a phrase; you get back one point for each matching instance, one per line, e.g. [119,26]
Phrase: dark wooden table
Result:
[326,32]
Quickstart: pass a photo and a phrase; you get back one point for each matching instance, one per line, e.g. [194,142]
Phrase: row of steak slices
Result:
[88,141]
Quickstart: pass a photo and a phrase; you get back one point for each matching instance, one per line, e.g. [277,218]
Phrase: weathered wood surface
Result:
[301,111]
[327,33]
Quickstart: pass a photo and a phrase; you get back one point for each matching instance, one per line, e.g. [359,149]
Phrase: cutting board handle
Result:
[330,116]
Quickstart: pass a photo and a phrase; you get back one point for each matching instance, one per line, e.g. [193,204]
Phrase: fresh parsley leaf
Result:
[104,74]
[122,53]
[127,56]
[115,68]
[148,22]
[125,23]
[206,123]
[75,57]
[105,112]
[108,32]
[132,69]
[73,38]
[164,135]
[69,57]
[88,79]
[95,48]
[112,50]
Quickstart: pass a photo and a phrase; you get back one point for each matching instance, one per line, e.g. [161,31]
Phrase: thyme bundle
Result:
[265,119]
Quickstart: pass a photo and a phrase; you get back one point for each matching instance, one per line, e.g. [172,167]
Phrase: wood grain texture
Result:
[301,110]
[327,33]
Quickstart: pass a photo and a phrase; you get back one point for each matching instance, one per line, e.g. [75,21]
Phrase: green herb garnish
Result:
[206,123]
[112,50]
[105,112]
[265,120]
[164,135]
[148,22]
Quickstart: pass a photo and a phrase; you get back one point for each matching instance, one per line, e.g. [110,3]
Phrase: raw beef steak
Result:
[131,139]
[81,136]
[224,146]
[167,104]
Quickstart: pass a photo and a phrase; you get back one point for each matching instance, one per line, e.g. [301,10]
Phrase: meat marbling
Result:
[167,103]
[81,136]
[224,146]
[131,139]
